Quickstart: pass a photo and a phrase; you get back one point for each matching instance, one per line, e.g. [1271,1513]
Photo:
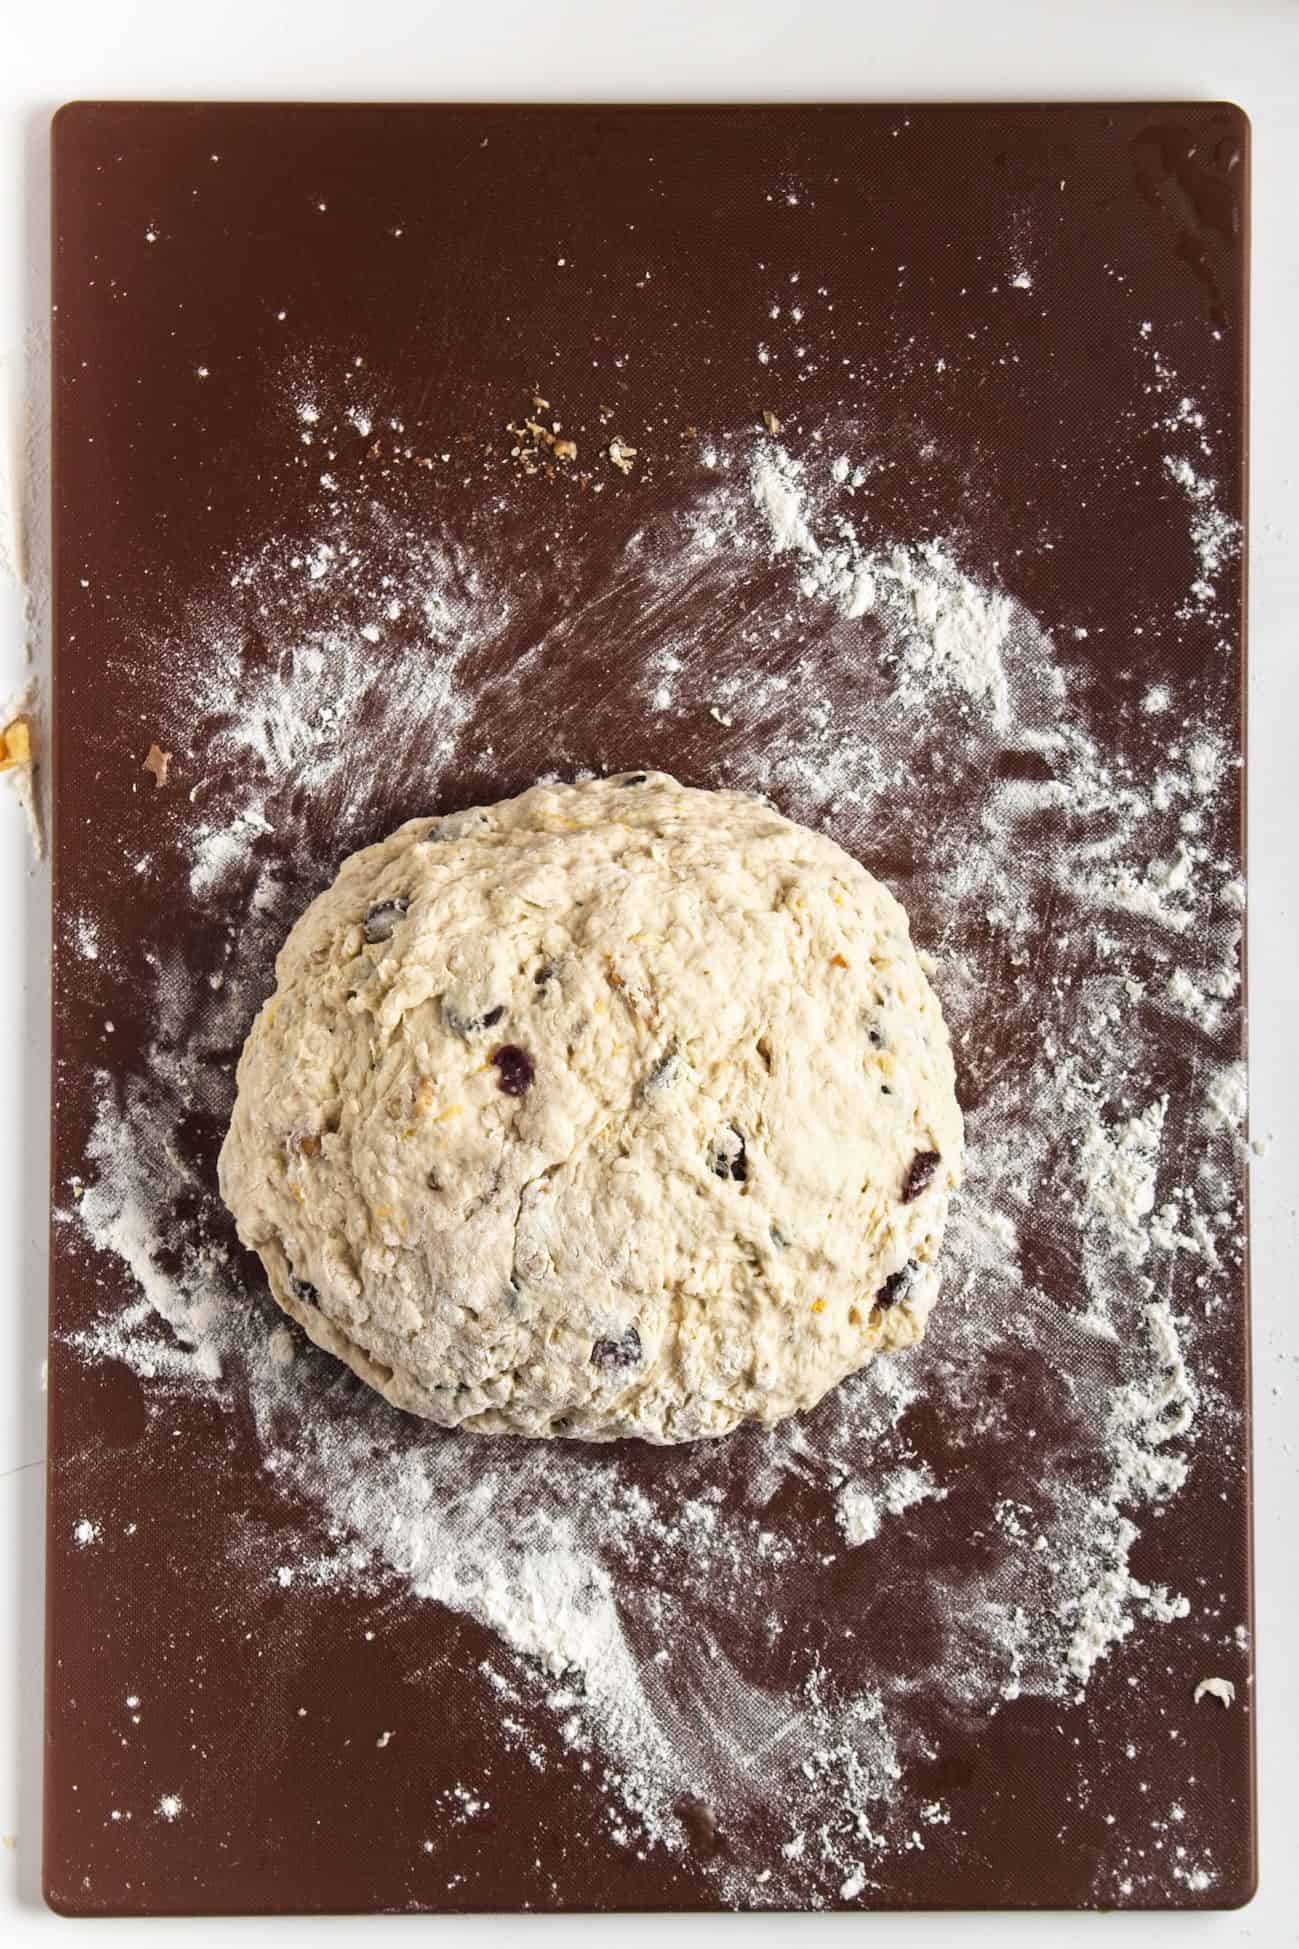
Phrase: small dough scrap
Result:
[158,762]
[616,1109]
[1220,1689]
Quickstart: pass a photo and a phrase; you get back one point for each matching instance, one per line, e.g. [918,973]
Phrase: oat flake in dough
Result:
[616,1109]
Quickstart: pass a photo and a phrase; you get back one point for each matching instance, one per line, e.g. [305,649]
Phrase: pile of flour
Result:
[1083,919]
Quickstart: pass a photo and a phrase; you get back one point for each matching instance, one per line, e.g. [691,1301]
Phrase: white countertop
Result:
[504,50]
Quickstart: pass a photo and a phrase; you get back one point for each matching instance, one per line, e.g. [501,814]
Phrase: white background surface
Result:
[1243,50]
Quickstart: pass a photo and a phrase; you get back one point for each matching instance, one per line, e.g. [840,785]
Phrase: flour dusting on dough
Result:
[611,1175]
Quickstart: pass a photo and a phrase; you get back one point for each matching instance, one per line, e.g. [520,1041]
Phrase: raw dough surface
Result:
[616,1109]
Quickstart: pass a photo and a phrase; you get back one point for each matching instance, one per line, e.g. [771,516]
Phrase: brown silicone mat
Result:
[618,260]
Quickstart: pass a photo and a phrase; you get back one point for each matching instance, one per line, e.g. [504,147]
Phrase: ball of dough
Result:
[616,1109]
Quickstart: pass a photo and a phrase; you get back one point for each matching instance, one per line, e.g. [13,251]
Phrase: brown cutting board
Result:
[314,538]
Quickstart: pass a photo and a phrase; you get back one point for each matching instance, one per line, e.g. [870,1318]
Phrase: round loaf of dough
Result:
[616,1109]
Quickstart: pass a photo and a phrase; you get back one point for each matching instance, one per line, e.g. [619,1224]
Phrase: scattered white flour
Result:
[891,692]
[86,1531]
[944,627]
[858,1514]
[776,492]
[1214,535]
[860,1511]
[1116,1171]
[908,1486]
[1226,1098]
[171,1806]
[1198,1007]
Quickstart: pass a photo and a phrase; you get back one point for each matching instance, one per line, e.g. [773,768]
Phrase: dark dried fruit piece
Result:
[635,778]
[302,1289]
[919,1171]
[464,1025]
[382,919]
[515,1069]
[896,1286]
[626,1352]
[729,1158]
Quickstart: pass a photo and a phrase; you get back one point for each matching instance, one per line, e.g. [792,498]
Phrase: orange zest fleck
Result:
[837,961]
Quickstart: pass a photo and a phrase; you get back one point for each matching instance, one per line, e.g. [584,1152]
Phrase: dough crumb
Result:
[159,763]
[1220,1689]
